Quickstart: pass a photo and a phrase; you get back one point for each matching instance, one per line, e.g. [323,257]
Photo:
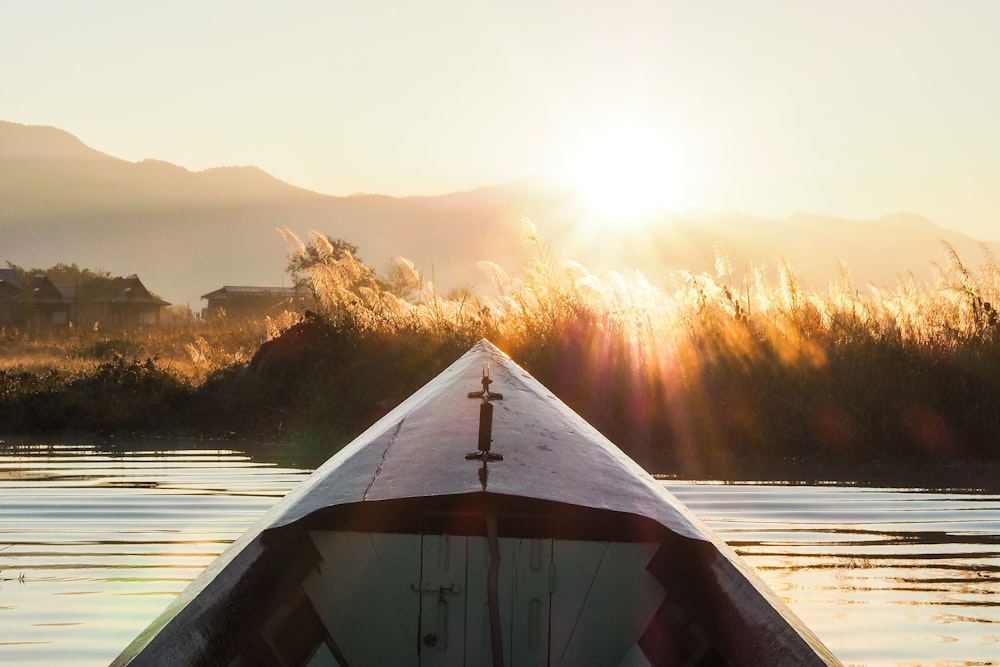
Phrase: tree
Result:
[401,279]
[61,274]
[321,249]
[89,284]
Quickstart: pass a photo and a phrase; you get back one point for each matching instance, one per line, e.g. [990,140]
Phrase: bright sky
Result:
[855,108]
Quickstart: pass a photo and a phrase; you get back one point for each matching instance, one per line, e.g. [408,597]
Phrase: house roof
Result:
[43,290]
[134,292]
[249,290]
[127,291]
[10,277]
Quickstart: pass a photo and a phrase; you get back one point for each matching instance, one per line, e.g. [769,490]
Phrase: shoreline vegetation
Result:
[719,376]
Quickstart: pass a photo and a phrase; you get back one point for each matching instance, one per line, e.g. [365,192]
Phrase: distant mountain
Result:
[187,233]
[37,142]
[878,251]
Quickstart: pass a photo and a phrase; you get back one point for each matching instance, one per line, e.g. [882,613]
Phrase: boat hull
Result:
[544,546]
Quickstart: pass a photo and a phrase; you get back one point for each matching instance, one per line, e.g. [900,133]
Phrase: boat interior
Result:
[444,580]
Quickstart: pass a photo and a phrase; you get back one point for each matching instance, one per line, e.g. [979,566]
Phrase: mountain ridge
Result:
[43,142]
[187,233]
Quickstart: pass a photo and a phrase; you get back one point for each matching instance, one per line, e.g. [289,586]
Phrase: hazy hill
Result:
[187,233]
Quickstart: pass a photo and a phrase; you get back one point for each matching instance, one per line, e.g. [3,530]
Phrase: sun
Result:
[623,174]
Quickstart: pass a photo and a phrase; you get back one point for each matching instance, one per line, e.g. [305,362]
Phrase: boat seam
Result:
[385,454]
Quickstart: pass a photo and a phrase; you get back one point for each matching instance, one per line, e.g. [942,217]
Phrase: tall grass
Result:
[190,348]
[79,379]
[705,374]
[716,372]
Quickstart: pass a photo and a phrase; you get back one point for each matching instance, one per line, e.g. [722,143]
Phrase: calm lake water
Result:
[94,545]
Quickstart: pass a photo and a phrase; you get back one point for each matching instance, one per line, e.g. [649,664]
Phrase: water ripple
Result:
[93,545]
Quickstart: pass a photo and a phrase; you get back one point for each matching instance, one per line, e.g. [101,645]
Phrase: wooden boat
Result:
[478,527]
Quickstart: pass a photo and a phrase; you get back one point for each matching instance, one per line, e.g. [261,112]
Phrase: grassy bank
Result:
[710,376]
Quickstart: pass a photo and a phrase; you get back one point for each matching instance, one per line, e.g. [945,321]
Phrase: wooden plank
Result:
[525,591]
[323,658]
[363,593]
[604,591]
[532,581]
[442,601]
[478,646]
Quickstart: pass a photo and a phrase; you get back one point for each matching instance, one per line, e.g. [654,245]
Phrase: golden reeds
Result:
[694,372]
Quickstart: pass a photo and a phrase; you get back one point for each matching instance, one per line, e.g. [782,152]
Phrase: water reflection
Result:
[884,576]
[94,544]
